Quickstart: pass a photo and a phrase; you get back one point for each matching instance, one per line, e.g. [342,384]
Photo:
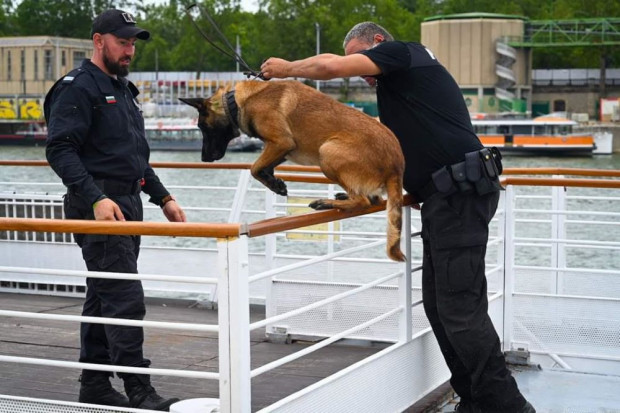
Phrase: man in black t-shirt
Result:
[454,177]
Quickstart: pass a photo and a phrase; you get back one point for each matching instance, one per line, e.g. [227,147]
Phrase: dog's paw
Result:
[279,187]
[341,196]
[321,204]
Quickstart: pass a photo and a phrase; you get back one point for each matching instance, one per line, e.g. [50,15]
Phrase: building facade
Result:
[29,66]
[474,48]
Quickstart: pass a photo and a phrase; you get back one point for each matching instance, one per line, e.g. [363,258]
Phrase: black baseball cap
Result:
[119,23]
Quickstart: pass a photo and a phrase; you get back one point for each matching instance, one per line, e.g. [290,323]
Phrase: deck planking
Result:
[176,349]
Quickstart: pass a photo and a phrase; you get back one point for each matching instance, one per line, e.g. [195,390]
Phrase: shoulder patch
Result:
[70,77]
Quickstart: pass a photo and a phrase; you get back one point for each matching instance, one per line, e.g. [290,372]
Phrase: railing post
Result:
[239,200]
[234,323]
[509,262]
[404,282]
[270,252]
[558,231]
[501,234]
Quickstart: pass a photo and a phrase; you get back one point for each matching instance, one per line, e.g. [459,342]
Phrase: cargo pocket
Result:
[464,267]
[113,253]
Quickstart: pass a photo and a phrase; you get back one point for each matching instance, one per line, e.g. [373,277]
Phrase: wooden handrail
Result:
[316,169]
[186,229]
[586,183]
[273,225]
[180,165]
[309,179]
[562,171]
[268,226]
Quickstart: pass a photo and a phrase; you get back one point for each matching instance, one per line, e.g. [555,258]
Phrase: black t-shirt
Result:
[423,105]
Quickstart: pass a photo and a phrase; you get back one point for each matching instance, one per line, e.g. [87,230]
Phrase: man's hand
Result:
[173,212]
[107,210]
[275,68]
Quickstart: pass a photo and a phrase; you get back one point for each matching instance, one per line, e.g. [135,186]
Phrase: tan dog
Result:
[300,124]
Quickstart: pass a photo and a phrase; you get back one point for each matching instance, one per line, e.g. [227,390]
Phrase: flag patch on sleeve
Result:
[110,99]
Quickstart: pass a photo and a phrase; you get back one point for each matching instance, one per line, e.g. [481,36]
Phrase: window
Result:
[22,65]
[49,71]
[77,58]
[559,105]
[8,65]
[522,130]
[540,129]
[36,65]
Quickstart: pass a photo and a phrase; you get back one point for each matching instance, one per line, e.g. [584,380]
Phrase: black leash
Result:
[234,55]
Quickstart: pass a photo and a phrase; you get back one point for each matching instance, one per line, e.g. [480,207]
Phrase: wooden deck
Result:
[166,348]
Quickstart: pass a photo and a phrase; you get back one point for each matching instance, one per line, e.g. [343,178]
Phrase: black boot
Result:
[95,388]
[143,396]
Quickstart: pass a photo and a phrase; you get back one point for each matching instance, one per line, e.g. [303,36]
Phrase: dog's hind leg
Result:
[343,165]
[352,203]
[374,199]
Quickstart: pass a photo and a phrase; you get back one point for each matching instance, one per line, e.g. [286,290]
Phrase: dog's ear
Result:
[228,86]
[198,103]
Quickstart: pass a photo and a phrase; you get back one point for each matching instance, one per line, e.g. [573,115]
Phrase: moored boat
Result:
[544,135]
[23,132]
[182,134]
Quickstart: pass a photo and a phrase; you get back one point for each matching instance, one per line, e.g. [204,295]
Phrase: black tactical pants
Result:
[111,344]
[454,288]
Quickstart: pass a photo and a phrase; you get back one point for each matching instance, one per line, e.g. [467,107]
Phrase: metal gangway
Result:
[554,285]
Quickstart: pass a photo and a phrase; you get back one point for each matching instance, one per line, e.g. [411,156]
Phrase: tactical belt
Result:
[113,187]
[479,171]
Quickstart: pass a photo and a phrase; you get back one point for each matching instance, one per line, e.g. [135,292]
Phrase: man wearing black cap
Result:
[96,144]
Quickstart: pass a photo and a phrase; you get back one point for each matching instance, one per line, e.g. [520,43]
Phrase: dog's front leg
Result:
[263,168]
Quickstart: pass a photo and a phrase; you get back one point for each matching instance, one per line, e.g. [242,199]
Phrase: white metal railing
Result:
[559,306]
[511,304]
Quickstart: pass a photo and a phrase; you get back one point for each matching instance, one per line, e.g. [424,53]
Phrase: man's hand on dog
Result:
[275,67]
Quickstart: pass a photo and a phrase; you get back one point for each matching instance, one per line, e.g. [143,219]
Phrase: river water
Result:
[208,205]
[46,175]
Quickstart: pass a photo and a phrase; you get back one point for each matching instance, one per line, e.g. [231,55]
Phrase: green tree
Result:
[290,31]
[6,22]
[67,18]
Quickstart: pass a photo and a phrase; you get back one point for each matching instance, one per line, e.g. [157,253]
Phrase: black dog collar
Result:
[231,108]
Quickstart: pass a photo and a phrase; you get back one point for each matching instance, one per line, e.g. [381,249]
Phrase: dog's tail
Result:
[394,208]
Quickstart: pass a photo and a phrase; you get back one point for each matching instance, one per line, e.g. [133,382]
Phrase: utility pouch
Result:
[472,166]
[460,176]
[489,180]
[488,163]
[442,180]
[497,158]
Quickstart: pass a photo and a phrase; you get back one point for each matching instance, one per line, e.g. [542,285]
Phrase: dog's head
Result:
[217,129]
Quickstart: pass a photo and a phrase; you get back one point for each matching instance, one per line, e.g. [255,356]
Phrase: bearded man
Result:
[96,144]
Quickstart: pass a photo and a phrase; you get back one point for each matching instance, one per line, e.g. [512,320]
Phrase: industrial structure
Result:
[490,56]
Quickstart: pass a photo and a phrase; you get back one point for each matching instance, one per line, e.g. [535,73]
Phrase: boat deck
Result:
[175,349]
[551,391]
[548,390]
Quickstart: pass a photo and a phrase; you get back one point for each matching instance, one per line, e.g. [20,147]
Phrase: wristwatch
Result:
[166,199]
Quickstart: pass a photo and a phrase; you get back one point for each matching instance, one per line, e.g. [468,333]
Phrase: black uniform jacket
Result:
[96,131]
